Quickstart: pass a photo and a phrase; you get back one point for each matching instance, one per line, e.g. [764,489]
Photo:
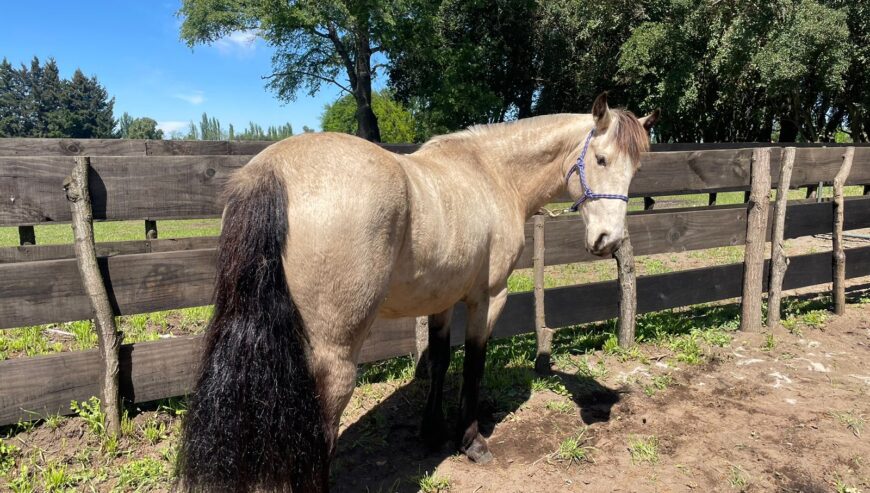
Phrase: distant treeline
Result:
[36,102]
[211,129]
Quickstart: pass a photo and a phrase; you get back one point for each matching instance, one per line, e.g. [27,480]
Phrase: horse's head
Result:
[610,158]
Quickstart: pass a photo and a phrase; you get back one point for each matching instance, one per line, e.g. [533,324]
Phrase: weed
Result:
[154,431]
[657,383]
[22,483]
[737,478]
[841,487]
[573,449]
[141,474]
[769,342]
[854,422]
[430,483]
[8,452]
[84,333]
[174,406]
[562,407]
[110,445]
[551,383]
[128,427]
[687,348]
[92,414]
[53,421]
[592,371]
[55,477]
[644,449]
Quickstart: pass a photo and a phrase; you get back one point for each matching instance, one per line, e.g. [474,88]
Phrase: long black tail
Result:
[254,421]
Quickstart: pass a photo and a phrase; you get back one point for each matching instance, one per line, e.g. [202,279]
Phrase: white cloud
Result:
[237,43]
[193,97]
[171,126]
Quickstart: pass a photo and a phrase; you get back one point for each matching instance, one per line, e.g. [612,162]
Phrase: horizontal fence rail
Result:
[189,187]
[44,385]
[126,147]
[51,291]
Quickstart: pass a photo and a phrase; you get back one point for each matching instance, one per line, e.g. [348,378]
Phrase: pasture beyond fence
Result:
[157,180]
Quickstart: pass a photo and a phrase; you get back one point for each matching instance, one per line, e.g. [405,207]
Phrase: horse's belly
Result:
[412,296]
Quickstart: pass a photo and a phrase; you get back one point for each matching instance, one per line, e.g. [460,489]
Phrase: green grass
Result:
[92,414]
[644,449]
[142,474]
[55,234]
[738,478]
[853,421]
[430,483]
[573,450]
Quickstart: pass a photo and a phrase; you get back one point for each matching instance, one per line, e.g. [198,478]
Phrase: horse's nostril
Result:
[601,242]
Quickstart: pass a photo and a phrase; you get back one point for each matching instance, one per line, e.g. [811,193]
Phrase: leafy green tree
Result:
[397,124]
[316,42]
[144,128]
[36,102]
[86,109]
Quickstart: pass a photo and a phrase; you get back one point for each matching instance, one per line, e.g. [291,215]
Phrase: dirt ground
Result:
[784,412]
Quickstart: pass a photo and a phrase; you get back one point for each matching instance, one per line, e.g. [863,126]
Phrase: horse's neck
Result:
[527,158]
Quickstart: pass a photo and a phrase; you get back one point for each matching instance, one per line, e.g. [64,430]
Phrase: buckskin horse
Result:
[322,233]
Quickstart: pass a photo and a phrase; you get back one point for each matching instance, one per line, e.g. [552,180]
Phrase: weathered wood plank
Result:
[17,146]
[51,291]
[185,187]
[154,370]
[32,253]
[122,187]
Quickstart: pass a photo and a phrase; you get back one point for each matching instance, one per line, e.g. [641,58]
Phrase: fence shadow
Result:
[382,450]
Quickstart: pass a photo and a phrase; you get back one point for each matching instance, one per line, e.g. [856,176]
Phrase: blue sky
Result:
[134,50]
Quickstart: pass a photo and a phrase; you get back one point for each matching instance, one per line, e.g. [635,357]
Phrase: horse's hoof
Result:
[478,452]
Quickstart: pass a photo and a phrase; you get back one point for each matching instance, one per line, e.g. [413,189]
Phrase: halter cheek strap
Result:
[580,168]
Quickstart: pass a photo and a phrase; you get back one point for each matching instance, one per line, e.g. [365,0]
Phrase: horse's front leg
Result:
[482,315]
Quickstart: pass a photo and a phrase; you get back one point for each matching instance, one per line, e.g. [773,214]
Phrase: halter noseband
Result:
[580,168]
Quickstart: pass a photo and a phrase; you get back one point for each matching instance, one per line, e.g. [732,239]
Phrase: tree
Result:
[36,102]
[458,63]
[87,109]
[144,128]
[397,124]
[741,70]
[316,42]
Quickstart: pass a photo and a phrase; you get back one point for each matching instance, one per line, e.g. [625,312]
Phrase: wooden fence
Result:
[155,180]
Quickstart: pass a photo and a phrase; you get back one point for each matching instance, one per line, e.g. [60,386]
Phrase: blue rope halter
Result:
[580,168]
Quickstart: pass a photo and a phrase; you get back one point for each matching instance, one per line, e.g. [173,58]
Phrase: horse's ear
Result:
[601,112]
[651,119]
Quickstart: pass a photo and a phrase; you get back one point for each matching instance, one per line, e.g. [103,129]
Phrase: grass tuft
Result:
[430,483]
[644,449]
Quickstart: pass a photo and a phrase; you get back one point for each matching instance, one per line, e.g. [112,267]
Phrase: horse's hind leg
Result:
[433,429]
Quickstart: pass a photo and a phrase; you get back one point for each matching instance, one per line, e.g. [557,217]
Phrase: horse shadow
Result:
[382,450]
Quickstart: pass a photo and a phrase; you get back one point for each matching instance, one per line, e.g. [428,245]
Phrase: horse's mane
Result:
[629,136]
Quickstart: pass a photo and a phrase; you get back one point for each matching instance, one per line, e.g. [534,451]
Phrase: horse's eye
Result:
[602,161]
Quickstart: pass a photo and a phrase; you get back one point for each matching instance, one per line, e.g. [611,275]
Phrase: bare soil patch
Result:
[780,412]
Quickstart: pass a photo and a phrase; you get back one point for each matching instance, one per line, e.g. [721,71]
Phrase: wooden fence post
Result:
[627,292]
[778,259]
[839,254]
[421,355]
[26,235]
[756,233]
[544,334]
[79,197]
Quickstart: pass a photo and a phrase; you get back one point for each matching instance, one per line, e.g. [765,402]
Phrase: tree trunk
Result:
[367,122]
[778,259]
[839,254]
[756,229]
